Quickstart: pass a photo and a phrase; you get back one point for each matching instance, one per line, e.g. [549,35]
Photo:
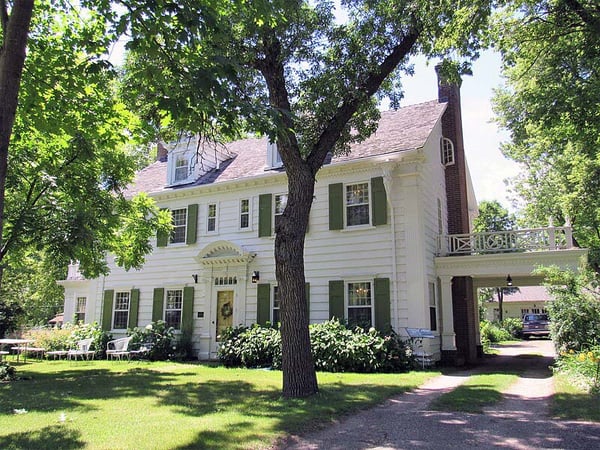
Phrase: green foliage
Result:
[551,63]
[513,326]
[67,336]
[7,372]
[582,368]
[575,311]
[335,348]
[162,339]
[493,217]
[9,315]
[492,332]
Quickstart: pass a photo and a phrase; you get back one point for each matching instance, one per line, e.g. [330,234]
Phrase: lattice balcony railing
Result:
[530,240]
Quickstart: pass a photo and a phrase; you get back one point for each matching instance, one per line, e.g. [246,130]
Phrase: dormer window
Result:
[446,151]
[273,157]
[181,168]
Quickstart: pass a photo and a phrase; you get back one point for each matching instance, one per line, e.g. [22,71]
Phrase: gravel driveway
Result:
[520,421]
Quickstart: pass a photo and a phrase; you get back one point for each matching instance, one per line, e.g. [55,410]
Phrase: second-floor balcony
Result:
[527,240]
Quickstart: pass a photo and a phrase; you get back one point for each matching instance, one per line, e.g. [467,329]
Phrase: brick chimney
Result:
[161,152]
[456,174]
[464,306]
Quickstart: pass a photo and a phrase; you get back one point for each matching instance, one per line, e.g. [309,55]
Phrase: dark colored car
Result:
[535,325]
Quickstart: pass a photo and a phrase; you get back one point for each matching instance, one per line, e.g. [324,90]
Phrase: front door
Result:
[224,311]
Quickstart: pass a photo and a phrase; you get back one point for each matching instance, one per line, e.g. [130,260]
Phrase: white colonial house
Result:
[387,244]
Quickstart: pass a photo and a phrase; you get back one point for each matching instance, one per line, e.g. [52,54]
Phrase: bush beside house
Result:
[335,348]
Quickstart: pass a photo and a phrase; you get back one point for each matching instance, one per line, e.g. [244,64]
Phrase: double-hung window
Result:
[121,310]
[280,204]
[181,168]
[275,317]
[360,304]
[357,204]
[179,225]
[244,214]
[80,309]
[211,218]
[173,308]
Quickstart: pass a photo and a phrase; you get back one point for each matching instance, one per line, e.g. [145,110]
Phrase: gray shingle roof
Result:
[405,129]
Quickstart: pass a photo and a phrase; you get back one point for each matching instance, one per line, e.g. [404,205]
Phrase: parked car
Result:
[535,325]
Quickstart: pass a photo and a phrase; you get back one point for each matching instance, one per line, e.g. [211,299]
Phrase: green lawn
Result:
[476,393]
[139,405]
[574,403]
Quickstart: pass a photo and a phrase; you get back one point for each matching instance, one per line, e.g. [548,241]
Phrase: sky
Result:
[488,167]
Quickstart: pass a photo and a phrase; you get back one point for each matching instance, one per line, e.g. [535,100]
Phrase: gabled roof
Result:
[405,129]
[525,294]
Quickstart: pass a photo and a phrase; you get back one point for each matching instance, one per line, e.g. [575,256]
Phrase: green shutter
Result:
[336,299]
[107,309]
[383,320]
[187,315]
[307,290]
[263,303]
[157,304]
[134,304]
[192,224]
[336,206]
[265,214]
[379,201]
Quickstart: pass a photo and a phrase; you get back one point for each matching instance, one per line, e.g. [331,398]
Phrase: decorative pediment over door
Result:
[224,253]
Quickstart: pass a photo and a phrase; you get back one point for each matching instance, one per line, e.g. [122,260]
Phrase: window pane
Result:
[181,168]
[174,299]
[359,317]
[244,222]
[173,318]
[357,204]
[120,319]
[179,224]
[359,294]
[244,213]
[280,203]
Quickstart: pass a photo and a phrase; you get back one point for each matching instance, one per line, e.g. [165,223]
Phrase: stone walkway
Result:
[520,421]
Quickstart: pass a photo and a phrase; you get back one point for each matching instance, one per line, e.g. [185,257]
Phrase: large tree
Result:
[294,71]
[551,61]
[62,182]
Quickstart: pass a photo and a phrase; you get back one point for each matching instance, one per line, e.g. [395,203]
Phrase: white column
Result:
[447,315]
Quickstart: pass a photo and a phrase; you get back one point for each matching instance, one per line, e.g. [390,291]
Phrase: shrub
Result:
[513,326]
[491,332]
[582,368]
[335,348]
[7,372]
[68,335]
[162,338]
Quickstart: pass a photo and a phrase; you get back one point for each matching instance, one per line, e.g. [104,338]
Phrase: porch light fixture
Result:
[195,277]
[508,280]
[255,276]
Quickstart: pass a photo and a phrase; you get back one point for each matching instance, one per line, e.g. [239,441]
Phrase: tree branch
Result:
[587,18]
[373,81]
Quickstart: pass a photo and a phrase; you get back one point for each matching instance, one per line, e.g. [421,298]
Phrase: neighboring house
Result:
[373,253]
[519,301]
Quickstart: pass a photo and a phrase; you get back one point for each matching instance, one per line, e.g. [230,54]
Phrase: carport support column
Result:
[447,315]
[465,323]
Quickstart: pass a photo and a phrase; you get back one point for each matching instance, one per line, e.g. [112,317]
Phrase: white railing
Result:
[530,240]
[73,272]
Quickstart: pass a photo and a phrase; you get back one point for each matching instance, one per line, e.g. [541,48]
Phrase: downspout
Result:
[387,182]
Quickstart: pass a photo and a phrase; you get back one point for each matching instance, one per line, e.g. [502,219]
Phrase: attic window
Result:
[446,151]
[273,156]
[181,168]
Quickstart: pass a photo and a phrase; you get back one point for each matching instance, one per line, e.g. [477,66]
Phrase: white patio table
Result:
[15,342]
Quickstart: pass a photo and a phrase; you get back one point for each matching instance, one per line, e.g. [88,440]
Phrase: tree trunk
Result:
[500,303]
[15,30]
[299,376]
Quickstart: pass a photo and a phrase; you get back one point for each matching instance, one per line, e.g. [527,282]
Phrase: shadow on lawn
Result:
[56,436]
[44,391]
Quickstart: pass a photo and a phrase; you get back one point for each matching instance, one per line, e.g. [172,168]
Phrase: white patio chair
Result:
[83,350]
[118,348]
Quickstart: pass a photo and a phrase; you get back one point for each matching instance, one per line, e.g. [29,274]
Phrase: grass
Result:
[572,402]
[476,393]
[121,405]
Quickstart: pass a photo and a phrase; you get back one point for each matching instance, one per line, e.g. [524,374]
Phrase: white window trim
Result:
[274,210]
[169,242]
[167,289]
[114,308]
[447,156]
[371,281]
[249,227]
[345,212]
[77,311]
[174,156]
[272,305]
[273,157]
[216,230]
